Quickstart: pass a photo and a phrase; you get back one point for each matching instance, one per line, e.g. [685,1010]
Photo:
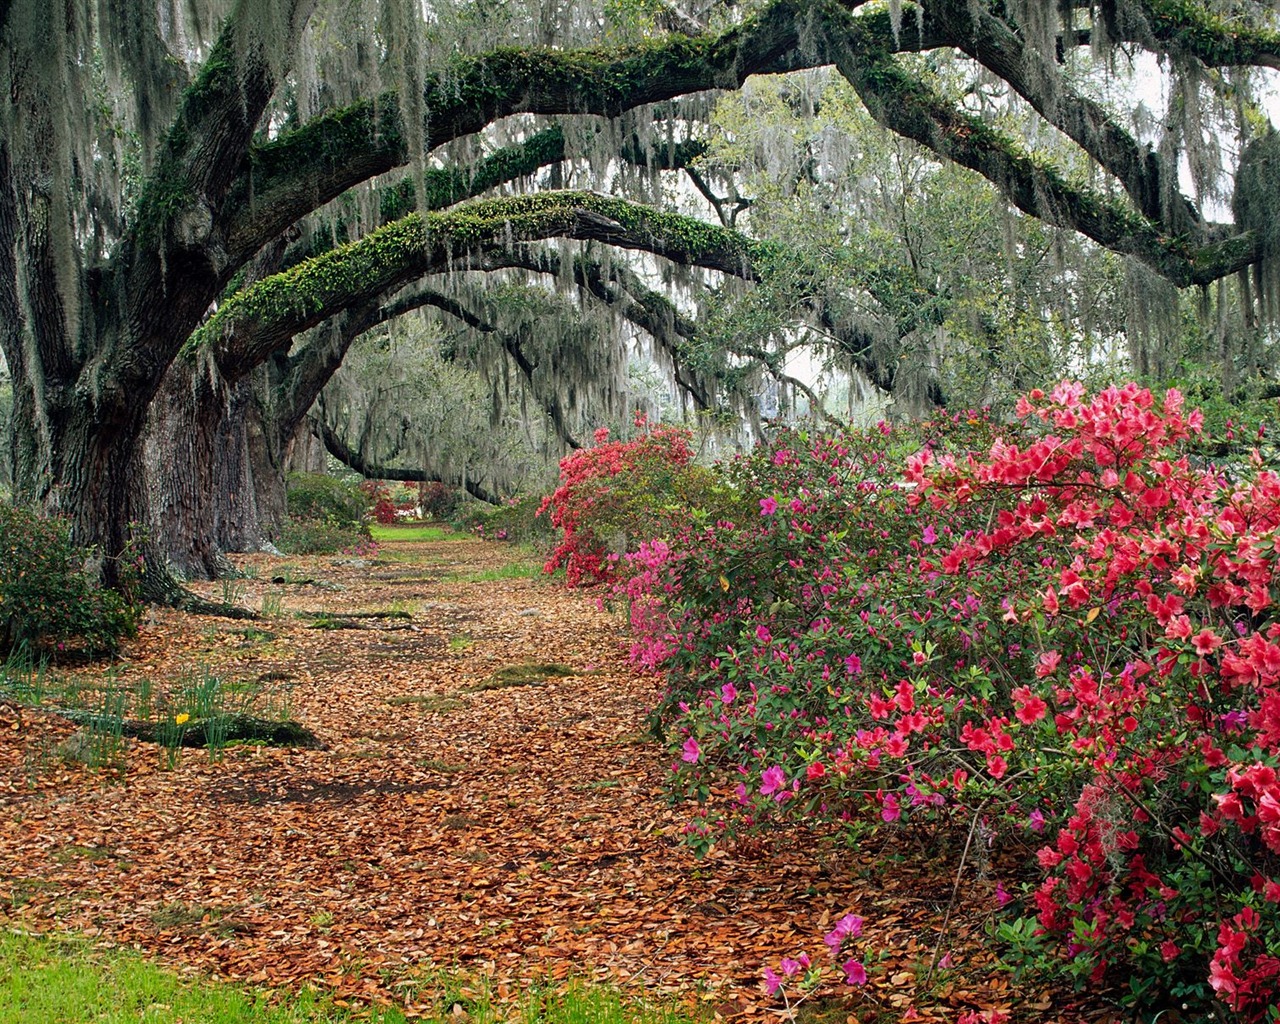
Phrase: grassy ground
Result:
[412,532]
[48,980]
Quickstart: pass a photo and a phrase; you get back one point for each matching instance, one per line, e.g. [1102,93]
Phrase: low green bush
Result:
[326,515]
[517,521]
[47,600]
[306,536]
[316,496]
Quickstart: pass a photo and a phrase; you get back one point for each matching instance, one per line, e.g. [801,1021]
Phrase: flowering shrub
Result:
[517,520]
[382,505]
[438,501]
[617,490]
[1062,630]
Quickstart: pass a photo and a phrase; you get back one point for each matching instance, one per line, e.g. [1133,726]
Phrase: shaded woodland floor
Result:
[512,825]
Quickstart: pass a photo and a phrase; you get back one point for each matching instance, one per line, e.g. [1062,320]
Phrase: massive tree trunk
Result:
[249,472]
[92,337]
[182,449]
[215,469]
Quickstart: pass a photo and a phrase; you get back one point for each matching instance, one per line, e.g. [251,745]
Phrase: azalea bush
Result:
[517,520]
[1059,632]
[618,492]
[439,502]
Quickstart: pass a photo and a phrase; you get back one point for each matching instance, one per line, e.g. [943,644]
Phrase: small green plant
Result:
[170,733]
[203,696]
[460,643]
[106,727]
[23,677]
[273,604]
[233,590]
[143,695]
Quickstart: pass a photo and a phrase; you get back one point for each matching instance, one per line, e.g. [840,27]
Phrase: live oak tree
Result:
[163,167]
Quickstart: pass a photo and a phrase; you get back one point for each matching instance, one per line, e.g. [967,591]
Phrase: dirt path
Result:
[520,832]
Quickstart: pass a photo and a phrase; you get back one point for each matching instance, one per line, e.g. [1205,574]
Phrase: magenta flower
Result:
[854,973]
[930,535]
[771,982]
[789,966]
[728,693]
[768,506]
[849,926]
[772,780]
[853,665]
[763,634]
[691,751]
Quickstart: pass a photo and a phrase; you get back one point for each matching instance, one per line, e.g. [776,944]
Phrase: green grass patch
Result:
[510,571]
[382,534]
[532,673]
[66,854]
[596,785]
[67,980]
[439,764]
[390,613]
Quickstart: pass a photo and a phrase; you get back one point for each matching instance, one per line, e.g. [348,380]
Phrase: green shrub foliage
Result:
[325,515]
[317,496]
[47,600]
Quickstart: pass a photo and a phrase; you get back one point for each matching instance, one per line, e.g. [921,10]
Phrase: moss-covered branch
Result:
[1189,27]
[303,169]
[171,262]
[906,105]
[1039,79]
[267,315]
[621,289]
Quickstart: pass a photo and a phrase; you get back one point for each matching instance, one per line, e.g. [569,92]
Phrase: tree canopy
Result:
[213,190]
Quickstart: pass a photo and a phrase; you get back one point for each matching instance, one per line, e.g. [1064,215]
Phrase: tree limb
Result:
[266,316]
[370,470]
[303,169]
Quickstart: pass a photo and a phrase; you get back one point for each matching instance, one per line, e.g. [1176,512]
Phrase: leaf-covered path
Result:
[516,831]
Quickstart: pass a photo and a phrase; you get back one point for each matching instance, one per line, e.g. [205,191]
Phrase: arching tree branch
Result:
[371,470]
[266,316]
